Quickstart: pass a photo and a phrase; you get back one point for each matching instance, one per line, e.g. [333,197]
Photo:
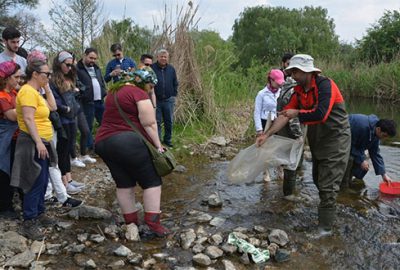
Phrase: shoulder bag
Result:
[164,162]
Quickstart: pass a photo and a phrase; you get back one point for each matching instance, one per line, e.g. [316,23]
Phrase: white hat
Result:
[303,62]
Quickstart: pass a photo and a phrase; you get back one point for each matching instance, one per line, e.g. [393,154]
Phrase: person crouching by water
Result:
[125,153]
[34,150]
[318,103]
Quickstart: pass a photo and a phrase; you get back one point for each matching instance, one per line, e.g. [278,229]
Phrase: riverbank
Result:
[366,234]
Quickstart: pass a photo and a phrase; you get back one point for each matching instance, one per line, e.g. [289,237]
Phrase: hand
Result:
[42,150]
[260,140]
[387,179]
[365,165]
[161,149]
[291,113]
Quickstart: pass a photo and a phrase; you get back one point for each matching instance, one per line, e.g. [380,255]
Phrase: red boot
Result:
[153,222]
[131,218]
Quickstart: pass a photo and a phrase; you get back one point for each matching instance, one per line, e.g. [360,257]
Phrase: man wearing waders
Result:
[318,103]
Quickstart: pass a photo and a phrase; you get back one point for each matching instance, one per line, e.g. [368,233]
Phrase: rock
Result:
[245,259]
[38,246]
[123,251]
[217,221]
[220,141]
[254,241]
[241,230]
[216,239]
[215,156]
[86,211]
[184,268]
[202,259]
[230,249]
[38,265]
[132,232]
[228,265]
[64,225]
[112,231]
[260,229]
[187,238]
[82,237]
[116,265]
[53,249]
[14,242]
[180,169]
[214,252]
[198,248]
[97,238]
[135,258]
[241,235]
[160,256]
[282,255]
[199,216]
[90,264]
[273,247]
[171,260]
[278,236]
[23,259]
[148,264]
[74,248]
[201,240]
[214,200]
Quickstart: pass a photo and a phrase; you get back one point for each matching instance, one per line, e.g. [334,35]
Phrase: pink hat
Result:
[7,69]
[277,75]
[36,55]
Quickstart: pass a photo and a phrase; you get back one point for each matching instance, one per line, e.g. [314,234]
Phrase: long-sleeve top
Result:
[125,64]
[363,137]
[167,85]
[265,103]
[84,77]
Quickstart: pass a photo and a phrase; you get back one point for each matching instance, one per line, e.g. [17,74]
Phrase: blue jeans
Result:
[165,113]
[93,110]
[34,200]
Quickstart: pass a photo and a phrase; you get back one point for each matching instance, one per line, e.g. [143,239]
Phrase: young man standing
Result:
[166,90]
[118,64]
[11,38]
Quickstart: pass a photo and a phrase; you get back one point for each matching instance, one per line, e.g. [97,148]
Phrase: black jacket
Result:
[167,85]
[86,80]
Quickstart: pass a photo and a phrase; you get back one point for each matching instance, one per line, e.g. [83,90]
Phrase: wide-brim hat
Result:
[304,62]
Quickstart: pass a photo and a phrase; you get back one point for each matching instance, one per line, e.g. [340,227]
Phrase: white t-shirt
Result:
[4,57]
[95,83]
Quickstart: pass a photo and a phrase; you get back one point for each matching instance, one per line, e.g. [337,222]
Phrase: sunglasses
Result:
[117,55]
[69,65]
[147,64]
[48,74]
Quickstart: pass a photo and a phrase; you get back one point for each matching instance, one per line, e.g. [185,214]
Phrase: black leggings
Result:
[84,131]
[63,148]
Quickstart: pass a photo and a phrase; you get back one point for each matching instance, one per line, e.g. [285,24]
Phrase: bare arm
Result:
[11,115]
[28,114]
[51,102]
[147,118]
[278,124]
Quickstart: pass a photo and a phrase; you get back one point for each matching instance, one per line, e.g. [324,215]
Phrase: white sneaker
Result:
[77,163]
[76,184]
[88,159]
[72,189]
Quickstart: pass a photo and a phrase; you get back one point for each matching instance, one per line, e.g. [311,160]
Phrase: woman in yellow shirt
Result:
[34,150]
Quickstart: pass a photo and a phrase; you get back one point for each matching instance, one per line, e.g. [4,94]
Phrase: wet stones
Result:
[214,200]
[187,238]
[279,237]
[91,212]
[23,259]
[122,251]
[132,232]
[202,259]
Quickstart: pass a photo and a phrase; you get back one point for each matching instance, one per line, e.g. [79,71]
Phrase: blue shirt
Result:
[126,63]
[363,137]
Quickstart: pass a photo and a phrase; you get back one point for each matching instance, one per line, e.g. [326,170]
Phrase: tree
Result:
[7,5]
[75,25]
[382,41]
[265,33]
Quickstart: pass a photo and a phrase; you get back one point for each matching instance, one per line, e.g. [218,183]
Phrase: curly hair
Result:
[64,82]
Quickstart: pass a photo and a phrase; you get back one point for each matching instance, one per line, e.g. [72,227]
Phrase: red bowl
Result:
[393,188]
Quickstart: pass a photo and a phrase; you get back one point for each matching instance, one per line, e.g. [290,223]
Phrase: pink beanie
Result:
[7,69]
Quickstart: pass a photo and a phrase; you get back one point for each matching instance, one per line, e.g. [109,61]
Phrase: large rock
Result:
[187,238]
[220,141]
[228,265]
[91,212]
[214,252]
[23,259]
[14,242]
[199,216]
[132,232]
[279,237]
[123,251]
[202,259]
[214,200]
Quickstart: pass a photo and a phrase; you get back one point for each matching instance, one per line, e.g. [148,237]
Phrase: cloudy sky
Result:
[352,17]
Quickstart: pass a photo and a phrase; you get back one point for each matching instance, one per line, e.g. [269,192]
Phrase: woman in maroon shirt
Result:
[125,153]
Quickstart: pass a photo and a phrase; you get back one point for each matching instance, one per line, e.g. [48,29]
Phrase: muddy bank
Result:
[366,234]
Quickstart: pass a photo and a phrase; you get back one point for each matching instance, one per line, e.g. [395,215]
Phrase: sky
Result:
[352,17]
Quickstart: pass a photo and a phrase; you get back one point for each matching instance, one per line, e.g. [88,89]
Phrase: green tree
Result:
[382,41]
[265,33]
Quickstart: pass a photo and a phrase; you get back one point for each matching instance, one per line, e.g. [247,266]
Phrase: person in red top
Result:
[125,153]
[318,103]
[10,74]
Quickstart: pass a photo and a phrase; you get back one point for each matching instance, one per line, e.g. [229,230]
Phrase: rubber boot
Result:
[153,222]
[289,182]
[326,218]
[131,218]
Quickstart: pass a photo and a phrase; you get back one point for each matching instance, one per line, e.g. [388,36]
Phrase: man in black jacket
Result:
[166,90]
[89,74]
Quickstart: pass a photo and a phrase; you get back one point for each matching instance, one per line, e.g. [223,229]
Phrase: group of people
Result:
[43,107]
[337,141]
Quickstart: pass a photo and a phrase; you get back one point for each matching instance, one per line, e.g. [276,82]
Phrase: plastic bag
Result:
[252,161]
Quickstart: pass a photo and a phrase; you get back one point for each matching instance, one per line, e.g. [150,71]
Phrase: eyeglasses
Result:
[48,74]
[117,55]
[147,64]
